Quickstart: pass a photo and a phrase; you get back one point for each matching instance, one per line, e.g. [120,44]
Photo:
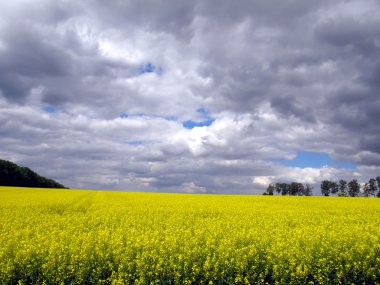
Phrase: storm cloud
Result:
[96,95]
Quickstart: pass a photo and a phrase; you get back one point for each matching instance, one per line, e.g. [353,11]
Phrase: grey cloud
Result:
[27,54]
[266,13]
[368,158]
[162,16]
[289,106]
[14,87]
[370,143]
[351,35]
[372,76]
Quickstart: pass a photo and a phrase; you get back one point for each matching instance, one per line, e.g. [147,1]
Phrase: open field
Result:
[82,237]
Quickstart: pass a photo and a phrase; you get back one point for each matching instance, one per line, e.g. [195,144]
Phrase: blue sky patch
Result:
[203,111]
[124,116]
[190,124]
[316,160]
[149,68]
[49,109]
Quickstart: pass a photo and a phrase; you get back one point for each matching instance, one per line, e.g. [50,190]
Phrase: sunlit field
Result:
[99,237]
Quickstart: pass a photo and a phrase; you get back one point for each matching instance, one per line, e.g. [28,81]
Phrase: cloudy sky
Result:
[191,96]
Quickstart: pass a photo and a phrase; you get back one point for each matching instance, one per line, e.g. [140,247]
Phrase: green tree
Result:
[270,189]
[342,187]
[371,187]
[334,188]
[325,187]
[282,188]
[378,186]
[353,188]
[366,189]
[295,188]
[277,187]
[308,190]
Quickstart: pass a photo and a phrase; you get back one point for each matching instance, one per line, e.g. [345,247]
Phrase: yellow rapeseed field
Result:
[103,237]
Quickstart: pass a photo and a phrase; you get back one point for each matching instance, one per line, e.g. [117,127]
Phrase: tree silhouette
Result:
[353,188]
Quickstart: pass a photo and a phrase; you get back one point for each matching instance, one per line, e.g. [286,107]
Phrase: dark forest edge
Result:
[341,188]
[13,175]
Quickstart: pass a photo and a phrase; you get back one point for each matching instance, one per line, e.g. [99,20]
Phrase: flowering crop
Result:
[85,237]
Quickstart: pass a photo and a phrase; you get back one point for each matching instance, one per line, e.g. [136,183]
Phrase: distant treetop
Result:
[13,175]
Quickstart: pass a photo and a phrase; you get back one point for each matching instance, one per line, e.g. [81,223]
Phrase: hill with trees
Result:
[13,175]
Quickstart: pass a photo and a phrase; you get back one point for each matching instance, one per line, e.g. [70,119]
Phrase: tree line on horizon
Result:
[341,188]
[293,189]
[352,188]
